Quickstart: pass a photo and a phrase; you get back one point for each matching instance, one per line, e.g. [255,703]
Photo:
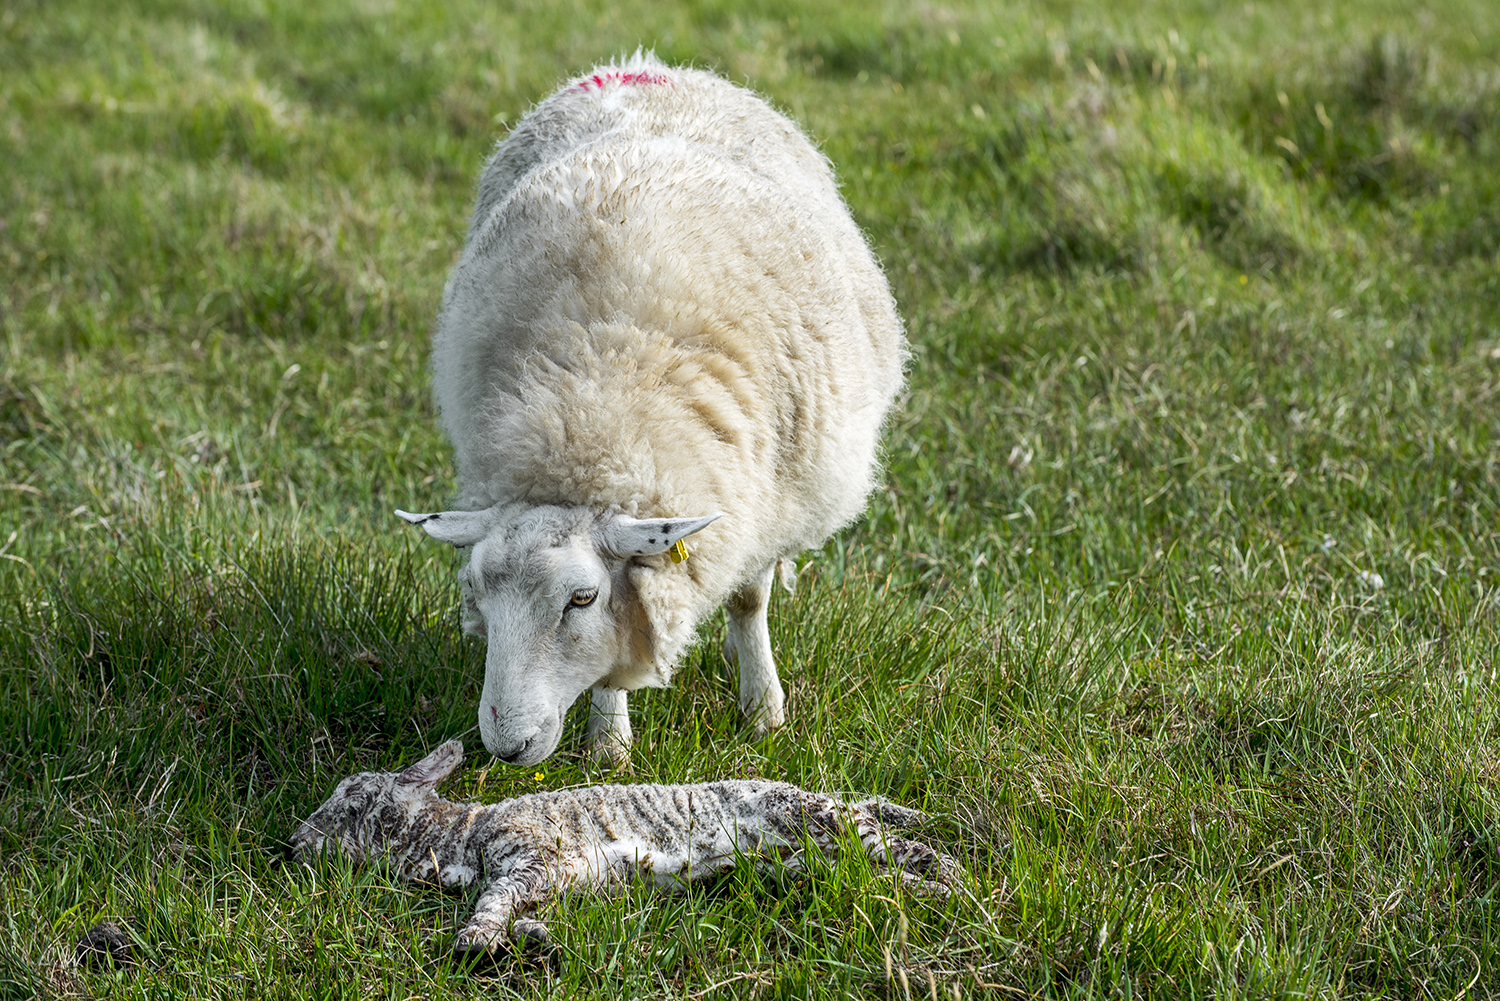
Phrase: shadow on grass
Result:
[252,665]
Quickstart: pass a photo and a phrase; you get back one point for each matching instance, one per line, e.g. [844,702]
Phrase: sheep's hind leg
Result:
[495,916]
[609,733]
[749,641]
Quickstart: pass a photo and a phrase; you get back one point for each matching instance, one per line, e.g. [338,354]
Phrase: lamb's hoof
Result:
[477,950]
[531,936]
[528,942]
[531,939]
[919,887]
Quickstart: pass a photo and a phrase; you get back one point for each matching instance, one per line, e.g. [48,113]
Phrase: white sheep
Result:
[663,316]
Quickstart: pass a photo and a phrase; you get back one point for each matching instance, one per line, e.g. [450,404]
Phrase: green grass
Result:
[1205,310]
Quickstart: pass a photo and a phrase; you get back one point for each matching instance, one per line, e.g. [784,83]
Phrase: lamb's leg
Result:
[889,814]
[749,641]
[495,917]
[920,867]
[609,727]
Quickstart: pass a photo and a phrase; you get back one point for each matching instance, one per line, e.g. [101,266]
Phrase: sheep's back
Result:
[643,99]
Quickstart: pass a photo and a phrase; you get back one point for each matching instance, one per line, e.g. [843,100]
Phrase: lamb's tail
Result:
[889,813]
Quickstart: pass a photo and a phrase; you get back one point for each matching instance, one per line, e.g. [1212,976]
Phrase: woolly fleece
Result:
[664,309]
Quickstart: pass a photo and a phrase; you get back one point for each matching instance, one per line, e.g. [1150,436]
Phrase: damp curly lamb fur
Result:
[528,849]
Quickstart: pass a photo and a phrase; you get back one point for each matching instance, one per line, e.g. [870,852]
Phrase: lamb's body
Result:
[663,310]
[599,837]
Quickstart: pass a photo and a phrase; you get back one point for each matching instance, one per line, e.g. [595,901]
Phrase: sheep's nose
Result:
[511,757]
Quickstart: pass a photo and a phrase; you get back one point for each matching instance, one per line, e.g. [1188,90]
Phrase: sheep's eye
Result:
[582,599]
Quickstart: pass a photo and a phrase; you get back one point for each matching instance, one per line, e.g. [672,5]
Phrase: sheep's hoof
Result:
[609,754]
[764,711]
[763,726]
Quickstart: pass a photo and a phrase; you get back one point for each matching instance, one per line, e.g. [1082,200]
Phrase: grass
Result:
[1178,609]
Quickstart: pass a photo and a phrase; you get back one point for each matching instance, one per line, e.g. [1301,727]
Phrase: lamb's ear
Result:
[435,767]
[457,528]
[625,536]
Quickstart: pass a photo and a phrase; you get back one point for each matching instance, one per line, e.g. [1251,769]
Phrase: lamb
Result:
[530,848]
[664,323]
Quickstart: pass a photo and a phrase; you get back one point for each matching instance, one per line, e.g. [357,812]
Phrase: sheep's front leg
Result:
[609,733]
[749,642]
[495,915]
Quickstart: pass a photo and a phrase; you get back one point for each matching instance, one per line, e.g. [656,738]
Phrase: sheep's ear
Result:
[457,528]
[625,536]
[435,767]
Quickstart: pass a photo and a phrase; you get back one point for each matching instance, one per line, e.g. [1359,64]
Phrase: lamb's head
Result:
[549,590]
[367,809]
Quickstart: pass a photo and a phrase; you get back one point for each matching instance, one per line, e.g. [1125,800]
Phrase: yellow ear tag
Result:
[678,552]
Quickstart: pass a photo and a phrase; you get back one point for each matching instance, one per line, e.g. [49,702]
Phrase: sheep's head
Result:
[367,808]
[548,588]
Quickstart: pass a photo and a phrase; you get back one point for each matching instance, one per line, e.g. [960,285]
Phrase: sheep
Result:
[530,848]
[664,323]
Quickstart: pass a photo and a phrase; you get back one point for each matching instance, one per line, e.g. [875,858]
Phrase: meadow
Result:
[1177,608]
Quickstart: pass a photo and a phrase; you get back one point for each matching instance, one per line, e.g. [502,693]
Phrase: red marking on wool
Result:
[624,77]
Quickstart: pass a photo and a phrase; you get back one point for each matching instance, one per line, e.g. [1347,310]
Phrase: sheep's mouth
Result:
[515,759]
[538,747]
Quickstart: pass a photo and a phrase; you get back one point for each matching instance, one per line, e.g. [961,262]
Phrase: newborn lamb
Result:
[531,847]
